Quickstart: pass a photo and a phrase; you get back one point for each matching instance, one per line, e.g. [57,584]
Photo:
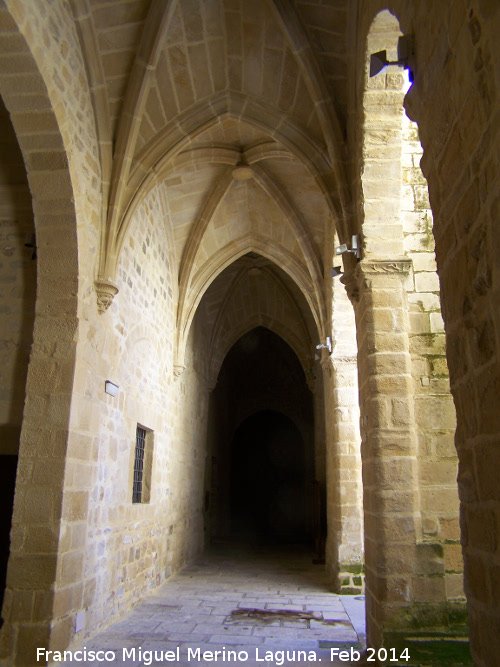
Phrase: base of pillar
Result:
[351,578]
[346,578]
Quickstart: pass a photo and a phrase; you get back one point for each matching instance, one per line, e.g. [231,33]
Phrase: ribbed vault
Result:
[163,77]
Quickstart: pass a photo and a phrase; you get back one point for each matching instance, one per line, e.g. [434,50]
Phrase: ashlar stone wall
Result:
[129,548]
[434,409]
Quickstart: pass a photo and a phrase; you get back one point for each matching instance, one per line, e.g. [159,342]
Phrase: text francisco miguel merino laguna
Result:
[149,657]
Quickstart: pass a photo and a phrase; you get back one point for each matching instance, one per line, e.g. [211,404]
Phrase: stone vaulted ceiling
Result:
[235,110]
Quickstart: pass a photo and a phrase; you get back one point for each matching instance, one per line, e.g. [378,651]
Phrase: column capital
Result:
[105,290]
[368,269]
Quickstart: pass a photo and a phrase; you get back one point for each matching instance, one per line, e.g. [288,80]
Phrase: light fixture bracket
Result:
[354,249]
[379,62]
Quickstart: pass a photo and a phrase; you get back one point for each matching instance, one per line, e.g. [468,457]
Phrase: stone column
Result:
[389,447]
[344,546]
[316,475]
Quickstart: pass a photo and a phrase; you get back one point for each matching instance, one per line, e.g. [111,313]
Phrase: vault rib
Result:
[313,77]
[155,30]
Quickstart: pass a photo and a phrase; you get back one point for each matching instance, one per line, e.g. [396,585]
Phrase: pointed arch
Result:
[209,208]
[158,156]
[220,346]
[226,256]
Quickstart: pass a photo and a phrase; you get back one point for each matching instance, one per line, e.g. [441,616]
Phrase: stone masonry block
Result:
[439,473]
[30,637]
[389,363]
[436,412]
[28,571]
[71,568]
[453,558]
[454,585]
[401,413]
[426,281]
[75,505]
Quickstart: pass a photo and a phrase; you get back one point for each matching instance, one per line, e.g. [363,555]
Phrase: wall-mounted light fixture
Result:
[336,271]
[355,249]
[111,388]
[327,345]
[379,62]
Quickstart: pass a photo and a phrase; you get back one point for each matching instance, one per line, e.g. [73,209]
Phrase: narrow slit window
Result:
[139,461]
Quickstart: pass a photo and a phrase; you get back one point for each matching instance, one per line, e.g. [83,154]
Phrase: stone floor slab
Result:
[202,609]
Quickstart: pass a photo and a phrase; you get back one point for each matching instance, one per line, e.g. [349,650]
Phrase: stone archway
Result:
[261,392]
[39,507]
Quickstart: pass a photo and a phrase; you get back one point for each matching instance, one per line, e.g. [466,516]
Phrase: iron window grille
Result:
[140,450]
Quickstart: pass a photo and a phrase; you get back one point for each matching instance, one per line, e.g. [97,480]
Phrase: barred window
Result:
[143,460]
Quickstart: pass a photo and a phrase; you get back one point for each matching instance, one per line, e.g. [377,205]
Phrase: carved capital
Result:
[106,291]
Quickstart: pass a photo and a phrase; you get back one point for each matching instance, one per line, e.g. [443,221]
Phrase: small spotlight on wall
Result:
[355,249]
[111,388]
[327,345]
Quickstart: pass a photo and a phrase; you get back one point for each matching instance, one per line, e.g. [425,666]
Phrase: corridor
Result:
[254,602]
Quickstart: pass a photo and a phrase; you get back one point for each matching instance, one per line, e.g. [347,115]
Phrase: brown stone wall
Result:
[454,100]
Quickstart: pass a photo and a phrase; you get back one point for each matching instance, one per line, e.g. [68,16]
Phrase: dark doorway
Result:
[268,484]
[260,473]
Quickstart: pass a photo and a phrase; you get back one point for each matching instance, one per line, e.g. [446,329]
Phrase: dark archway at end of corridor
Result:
[268,480]
[260,472]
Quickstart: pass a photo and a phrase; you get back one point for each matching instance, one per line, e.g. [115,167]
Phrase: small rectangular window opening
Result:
[143,460]
[140,447]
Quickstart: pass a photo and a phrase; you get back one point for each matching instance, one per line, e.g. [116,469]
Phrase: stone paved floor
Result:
[254,602]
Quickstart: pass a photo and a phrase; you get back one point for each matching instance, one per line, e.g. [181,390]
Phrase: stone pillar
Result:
[389,447]
[316,488]
[344,546]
